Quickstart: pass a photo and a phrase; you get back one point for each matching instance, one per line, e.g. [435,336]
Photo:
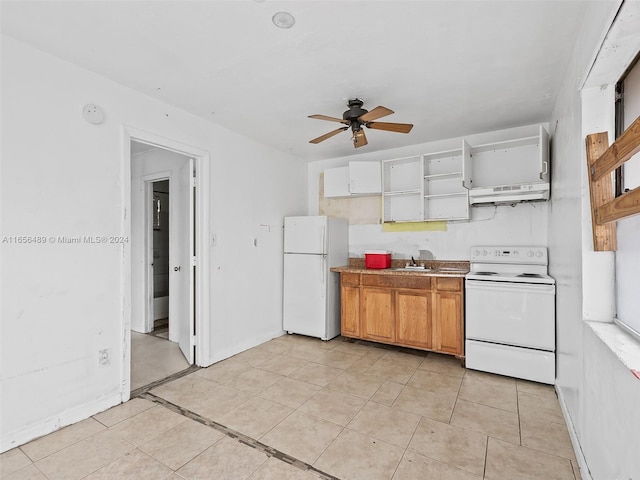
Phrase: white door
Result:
[181,253]
[305,235]
[305,290]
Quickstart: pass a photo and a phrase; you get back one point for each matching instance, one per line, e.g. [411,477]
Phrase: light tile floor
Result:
[301,409]
[153,358]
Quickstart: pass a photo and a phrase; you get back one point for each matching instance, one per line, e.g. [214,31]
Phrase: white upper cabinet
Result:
[336,182]
[425,187]
[508,171]
[365,178]
[402,189]
[358,178]
[445,198]
[443,185]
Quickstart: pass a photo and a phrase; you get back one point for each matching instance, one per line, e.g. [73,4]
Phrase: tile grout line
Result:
[140,391]
[486,458]
[240,437]
[455,403]
[406,449]
[518,410]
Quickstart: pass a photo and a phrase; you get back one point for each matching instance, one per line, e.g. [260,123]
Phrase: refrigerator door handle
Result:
[323,275]
[324,239]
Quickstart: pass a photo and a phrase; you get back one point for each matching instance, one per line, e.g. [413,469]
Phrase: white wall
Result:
[609,423]
[522,224]
[63,176]
[565,234]
[599,394]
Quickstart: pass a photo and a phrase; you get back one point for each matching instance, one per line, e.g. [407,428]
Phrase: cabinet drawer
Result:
[397,281]
[450,284]
[351,279]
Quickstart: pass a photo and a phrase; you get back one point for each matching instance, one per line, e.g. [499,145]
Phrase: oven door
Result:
[518,314]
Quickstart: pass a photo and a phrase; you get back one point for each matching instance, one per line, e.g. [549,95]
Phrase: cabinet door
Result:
[447,322]
[377,314]
[544,153]
[467,173]
[350,311]
[413,318]
[336,182]
[365,178]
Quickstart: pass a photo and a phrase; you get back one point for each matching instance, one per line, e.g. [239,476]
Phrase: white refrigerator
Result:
[312,245]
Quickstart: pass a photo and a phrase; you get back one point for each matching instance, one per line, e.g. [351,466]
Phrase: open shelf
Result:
[410,185]
[453,206]
[403,192]
[441,195]
[442,176]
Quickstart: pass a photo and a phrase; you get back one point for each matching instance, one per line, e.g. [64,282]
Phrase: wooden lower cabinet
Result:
[429,317]
[376,314]
[448,334]
[350,311]
[413,319]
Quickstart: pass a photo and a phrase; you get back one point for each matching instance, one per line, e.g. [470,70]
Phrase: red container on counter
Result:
[377,259]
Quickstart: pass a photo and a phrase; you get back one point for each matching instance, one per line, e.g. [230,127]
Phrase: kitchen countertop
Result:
[433,268]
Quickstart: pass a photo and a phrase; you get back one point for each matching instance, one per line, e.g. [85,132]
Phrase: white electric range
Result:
[510,313]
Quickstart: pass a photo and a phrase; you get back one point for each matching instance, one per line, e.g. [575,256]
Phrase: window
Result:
[628,229]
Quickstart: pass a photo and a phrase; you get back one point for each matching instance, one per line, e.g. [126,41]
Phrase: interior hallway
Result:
[299,408]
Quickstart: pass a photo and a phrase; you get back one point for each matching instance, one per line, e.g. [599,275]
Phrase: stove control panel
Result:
[519,255]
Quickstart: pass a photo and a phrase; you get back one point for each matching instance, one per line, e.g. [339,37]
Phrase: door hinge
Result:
[193,341]
[193,261]
[193,182]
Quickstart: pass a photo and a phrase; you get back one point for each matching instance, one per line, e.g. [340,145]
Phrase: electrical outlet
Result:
[104,357]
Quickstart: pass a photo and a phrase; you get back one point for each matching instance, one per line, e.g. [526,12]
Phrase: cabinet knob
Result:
[176,269]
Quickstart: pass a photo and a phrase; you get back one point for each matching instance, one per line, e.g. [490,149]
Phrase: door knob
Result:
[176,269]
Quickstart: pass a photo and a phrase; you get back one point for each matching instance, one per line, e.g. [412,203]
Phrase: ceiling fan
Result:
[357,117]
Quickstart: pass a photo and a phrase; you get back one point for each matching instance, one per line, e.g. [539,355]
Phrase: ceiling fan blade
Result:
[328,135]
[377,112]
[331,119]
[391,127]
[359,139]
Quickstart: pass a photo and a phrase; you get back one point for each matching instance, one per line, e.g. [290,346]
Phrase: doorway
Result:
[160,258]
[164,292]
[162,238]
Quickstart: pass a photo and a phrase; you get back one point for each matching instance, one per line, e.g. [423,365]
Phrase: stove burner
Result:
[486,273]
[530,275]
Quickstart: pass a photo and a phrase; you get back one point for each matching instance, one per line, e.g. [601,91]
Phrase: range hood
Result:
[509,194]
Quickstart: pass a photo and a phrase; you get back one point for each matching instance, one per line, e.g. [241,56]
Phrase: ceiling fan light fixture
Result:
[356,118]
[283,20]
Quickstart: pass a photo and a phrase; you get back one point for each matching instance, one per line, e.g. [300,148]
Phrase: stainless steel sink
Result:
[413,269]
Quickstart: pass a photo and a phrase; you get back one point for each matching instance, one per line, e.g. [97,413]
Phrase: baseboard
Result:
[577,450]
[26,434]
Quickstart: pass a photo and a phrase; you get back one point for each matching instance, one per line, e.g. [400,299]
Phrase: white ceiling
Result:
[449,67]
